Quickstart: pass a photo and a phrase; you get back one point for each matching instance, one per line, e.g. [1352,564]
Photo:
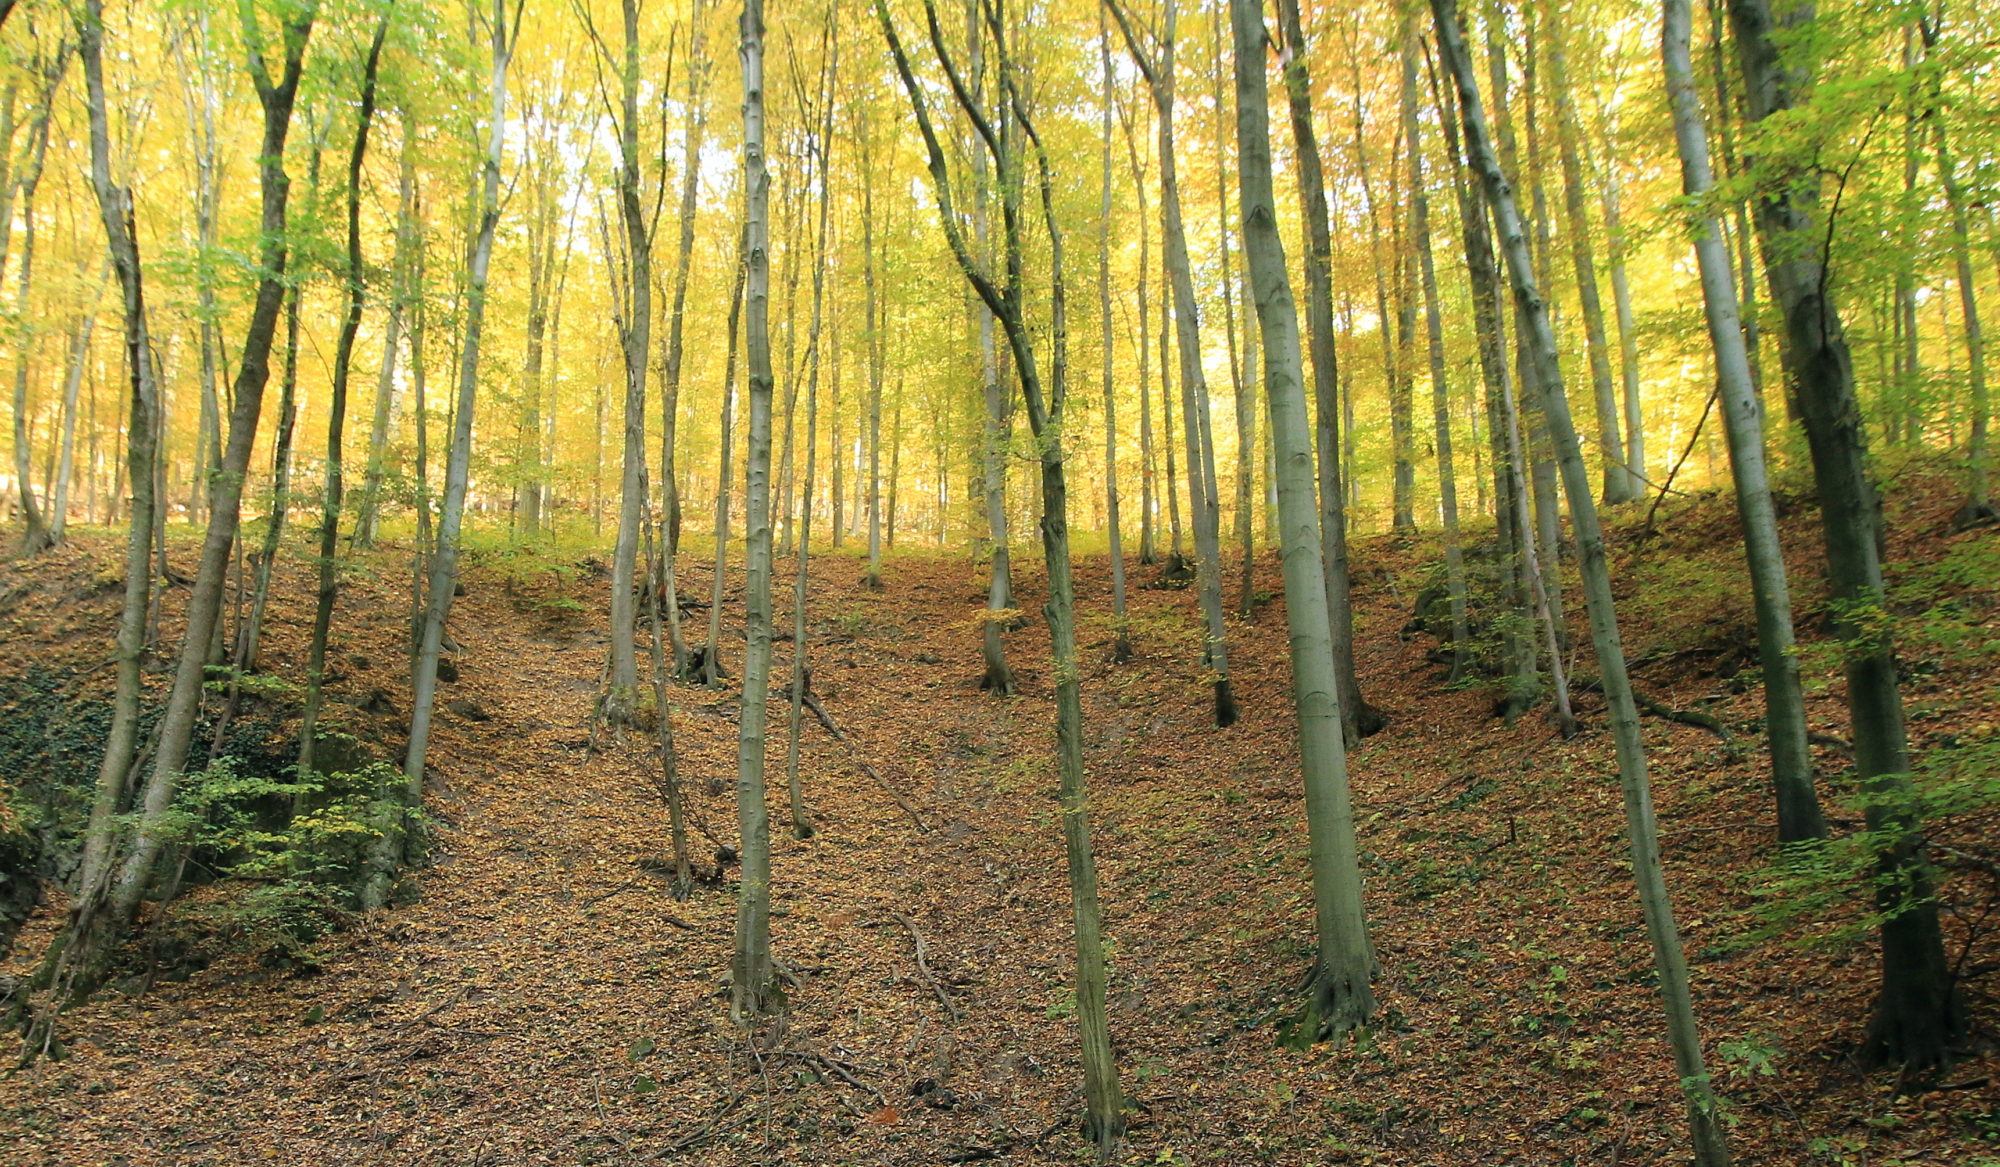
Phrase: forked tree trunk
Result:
[177,723]
[1103,1099]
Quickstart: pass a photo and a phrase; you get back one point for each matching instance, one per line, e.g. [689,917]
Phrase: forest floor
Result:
[544,1000]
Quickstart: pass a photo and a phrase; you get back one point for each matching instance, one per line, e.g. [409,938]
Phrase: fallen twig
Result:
[923,966]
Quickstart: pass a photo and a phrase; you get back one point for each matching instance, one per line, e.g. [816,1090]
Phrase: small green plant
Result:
[299,844]
[1750,1057]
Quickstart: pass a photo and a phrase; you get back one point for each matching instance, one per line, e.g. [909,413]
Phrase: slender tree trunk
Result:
[1978,508]
[443,565]
[1340,997]
[1919,1014]
[1705,1120]
[1799,816]
[636,336]
[1618,485]
[1121,636]
[36,535]
[336,432]
[751,981]
[1420,230]
[1204,502]
[79,357]
[1513,528]
[821,154]
[177,723]
[712,658]
[73,950]
[368,521]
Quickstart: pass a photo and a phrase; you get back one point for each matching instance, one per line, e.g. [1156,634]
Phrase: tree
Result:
[1918,1013]
[752,989]
[343,358]
[1799,816]
[1358,718]
[1340,997]
[1204,503]
[1103,1099]
[1704,1116]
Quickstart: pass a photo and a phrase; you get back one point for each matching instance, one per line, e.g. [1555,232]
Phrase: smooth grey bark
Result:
[1204,503]
[79,357]
[1148,544]
[1358,718]
[70,951]
[751,983]
[1977,508]
[1799,814]
[1239,359]
[1103,1098]
[1704,1117]
[36,536]
[1341,997]
[367,521]
[876,354]
[1617,247]
[670,776]
[820,155]
[1919,1014]
[998,678]
[693,134]
[1513,526]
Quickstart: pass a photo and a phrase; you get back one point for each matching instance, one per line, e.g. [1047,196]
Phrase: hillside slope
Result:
[544,1000]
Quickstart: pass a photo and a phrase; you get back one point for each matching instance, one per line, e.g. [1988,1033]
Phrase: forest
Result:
[1034,581]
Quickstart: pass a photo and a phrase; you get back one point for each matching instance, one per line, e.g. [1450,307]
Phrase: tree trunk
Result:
[1918,1014]
[1799,816]
[711,664]
[1618,484]
[1204,505]
[636,336]
[1358,718]
[1705,1120]
[443,566]
[36,535]
[822,155]
[1420,229]
[1340,997]
[343,359]
[177,723]
[367,523]
[751,983]
[70,962]
[1121,636]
